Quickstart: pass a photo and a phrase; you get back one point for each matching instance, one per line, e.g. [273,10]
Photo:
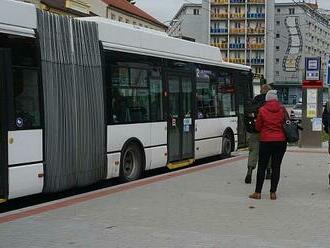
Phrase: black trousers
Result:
[274,150]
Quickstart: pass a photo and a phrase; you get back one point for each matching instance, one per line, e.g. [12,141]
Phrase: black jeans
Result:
[274,150]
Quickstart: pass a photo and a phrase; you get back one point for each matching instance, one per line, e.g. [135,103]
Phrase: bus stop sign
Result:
[312,68]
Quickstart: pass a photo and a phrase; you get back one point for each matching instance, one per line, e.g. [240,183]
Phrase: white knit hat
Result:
[271,95]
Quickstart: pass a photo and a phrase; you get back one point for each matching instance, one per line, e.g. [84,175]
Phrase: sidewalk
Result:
[204,206]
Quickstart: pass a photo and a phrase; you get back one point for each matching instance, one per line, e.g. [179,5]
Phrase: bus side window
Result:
[26,98]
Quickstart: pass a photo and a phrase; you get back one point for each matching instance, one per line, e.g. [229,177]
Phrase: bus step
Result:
[180,164]
[2,200]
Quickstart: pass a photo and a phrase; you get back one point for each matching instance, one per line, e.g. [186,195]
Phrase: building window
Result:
[277,61]
[127,21]
[120,19]
[113,17]
[278,10]
[278,23]
[291,11]
[196,11]
[277,73]
[277,35]
[134,23]
[277,48]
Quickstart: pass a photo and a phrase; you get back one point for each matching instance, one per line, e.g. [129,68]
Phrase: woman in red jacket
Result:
[270,120]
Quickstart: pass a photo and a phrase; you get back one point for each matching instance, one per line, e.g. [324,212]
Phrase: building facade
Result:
[119,10]
[192,22]
[123,11]
[300,32]
[239,29]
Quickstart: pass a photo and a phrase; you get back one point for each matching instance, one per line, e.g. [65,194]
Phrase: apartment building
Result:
[300,31]
[239,29]
[192,22]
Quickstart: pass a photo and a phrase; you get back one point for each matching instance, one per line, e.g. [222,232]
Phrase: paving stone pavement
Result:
[207,208]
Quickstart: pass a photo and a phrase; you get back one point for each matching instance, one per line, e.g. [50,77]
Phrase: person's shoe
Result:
[268,174]
[255,195]
[248,178]
[273,196]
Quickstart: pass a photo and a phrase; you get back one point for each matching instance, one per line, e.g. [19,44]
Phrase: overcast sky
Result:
[164,10]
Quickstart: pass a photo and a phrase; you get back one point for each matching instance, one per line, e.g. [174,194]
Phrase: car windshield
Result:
[298,106]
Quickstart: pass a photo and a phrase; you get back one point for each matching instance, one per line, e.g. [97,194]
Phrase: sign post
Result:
[312,104]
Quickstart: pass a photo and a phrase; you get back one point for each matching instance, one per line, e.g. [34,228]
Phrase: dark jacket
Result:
[270,120]
[252,111]
[325,118]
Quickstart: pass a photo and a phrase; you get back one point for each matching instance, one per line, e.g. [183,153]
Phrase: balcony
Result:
[221,45]
[219,30]
[256,46]
[237,1]
[256,15]
[255,61]
[256,1]
[256,31]
[237,16]
[237,31]
[237,60]
[219,16]
[237,46]
[219,2]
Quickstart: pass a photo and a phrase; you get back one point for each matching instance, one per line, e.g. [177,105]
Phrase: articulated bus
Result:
[88,99]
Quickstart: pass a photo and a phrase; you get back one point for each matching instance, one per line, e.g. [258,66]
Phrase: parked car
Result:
[296,112]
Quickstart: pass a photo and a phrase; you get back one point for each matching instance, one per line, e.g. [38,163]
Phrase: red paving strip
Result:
[101,193]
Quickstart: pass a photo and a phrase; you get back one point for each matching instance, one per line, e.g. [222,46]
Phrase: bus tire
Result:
[131,163]
[226,146]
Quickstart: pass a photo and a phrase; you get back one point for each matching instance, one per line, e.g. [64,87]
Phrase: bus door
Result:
[244,94]
[4,72]
[181,120]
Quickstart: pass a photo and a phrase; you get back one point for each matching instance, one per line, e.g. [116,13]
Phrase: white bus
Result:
[83,100]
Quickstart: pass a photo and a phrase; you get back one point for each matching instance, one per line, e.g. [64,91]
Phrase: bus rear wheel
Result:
[131,163]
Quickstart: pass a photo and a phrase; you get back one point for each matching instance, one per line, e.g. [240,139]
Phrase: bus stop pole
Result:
[312,94]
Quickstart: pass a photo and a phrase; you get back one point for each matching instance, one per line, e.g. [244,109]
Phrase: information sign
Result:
[312,67]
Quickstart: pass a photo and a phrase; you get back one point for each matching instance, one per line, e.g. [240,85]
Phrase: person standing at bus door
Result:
[270,120]
[325,122]
[253,134]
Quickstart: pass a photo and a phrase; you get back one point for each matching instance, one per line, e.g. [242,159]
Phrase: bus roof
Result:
[120,36]
[21,19]
[18,18]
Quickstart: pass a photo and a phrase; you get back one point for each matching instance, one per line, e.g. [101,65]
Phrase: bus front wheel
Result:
[226,146]
[131,166]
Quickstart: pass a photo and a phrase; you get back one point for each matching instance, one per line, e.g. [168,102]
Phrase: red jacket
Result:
[270,120]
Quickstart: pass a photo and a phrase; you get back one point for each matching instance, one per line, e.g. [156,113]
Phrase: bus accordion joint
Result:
[179,164]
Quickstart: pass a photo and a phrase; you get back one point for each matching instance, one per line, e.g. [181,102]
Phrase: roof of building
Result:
[125,6]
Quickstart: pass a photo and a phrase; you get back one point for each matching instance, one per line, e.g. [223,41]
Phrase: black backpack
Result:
[251,111]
